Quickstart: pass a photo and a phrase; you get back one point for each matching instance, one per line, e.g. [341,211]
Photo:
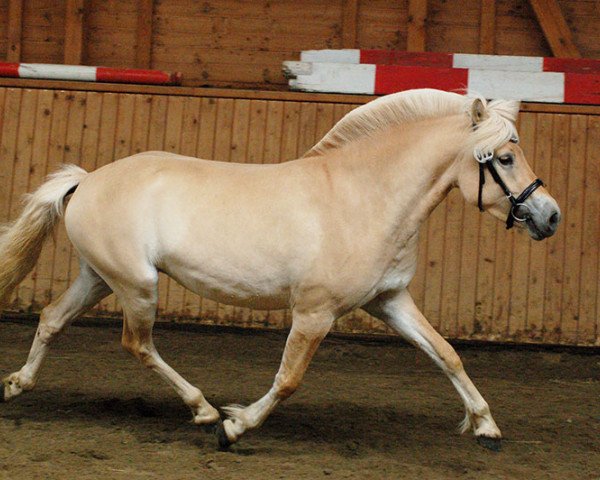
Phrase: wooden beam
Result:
[74,32]
[417,13]
[349,23]
[487,27]
[251,94]
[555,28]
[15,27]
[143,46]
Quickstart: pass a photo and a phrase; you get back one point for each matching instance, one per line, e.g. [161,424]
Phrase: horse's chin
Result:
[534,231]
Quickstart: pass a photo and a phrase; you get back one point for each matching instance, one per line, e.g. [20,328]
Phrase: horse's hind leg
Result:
[308,329]
[139,312]
[400,312]
[87,290]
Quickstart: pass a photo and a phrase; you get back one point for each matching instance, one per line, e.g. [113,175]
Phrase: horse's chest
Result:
[400,270]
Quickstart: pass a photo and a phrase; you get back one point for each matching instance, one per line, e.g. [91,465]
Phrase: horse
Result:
[332,231]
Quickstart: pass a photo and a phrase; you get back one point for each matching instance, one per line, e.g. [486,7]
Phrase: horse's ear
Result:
[478,112]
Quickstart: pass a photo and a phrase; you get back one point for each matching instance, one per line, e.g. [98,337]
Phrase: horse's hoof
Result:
[491,443]
[224,442]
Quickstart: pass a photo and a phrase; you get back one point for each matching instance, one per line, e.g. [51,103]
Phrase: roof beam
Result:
[555,28]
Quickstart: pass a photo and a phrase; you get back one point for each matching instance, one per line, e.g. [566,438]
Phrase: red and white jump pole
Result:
[88,74]
[552,87]
[513,63]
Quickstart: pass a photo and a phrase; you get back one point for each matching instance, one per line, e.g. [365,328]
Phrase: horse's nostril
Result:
[554,219]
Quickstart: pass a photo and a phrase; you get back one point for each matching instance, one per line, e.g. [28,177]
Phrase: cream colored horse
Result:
[323,235]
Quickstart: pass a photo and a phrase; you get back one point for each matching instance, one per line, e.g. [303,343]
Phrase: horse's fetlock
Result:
[481,411]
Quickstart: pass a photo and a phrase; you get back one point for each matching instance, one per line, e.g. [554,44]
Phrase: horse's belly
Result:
[248,288]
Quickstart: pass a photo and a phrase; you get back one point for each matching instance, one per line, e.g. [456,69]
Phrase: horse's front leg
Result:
[399,311]
[308,329]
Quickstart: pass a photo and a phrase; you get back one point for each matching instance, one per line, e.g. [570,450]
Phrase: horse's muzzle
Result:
[542,219]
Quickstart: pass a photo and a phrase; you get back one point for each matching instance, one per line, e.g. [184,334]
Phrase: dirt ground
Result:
[365,410]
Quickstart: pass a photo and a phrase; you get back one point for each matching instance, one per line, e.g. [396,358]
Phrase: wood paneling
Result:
[242,43]
[43,34]
[475,280]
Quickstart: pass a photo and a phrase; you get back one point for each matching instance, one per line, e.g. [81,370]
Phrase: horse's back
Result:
[205,223]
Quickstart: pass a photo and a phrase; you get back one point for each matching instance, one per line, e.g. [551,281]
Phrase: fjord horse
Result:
[322,235]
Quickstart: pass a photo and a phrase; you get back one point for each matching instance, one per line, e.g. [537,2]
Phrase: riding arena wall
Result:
[475,280]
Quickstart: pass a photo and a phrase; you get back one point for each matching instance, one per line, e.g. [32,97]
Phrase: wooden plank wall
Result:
[242,43]
[475,280]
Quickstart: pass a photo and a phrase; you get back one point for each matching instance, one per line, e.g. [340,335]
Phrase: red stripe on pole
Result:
[582,88]
[394,57]
[124,75]
[394,78]
[9,69]
[573,65]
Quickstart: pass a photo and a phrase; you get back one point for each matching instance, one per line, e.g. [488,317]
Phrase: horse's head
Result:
[494,174]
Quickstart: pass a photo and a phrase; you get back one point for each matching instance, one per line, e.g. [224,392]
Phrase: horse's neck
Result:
[413,169]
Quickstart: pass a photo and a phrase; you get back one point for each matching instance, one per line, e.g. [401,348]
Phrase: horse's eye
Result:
[506,160]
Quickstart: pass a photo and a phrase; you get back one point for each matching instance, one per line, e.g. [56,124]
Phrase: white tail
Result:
[21,241]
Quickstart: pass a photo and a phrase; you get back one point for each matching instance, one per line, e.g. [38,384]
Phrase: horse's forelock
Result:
[497,126]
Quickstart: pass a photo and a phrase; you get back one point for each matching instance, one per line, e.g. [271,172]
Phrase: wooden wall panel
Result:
[5,32]
[43,31]
[582,16]
[110,33]
[242,43]
[475,280]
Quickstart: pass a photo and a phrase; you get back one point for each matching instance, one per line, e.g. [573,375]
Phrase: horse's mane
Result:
[495,129]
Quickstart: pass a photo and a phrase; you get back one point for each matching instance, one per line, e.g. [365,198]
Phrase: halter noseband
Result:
[486,159]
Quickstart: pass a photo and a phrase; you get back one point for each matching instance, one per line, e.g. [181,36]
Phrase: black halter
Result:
[487,160]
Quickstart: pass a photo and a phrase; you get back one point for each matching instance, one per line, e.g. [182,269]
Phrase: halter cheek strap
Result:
[486,160]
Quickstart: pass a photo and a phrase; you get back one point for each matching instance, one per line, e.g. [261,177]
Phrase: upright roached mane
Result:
[288,235]
[496,128]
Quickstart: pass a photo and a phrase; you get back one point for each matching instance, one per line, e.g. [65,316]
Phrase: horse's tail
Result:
[21,241]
